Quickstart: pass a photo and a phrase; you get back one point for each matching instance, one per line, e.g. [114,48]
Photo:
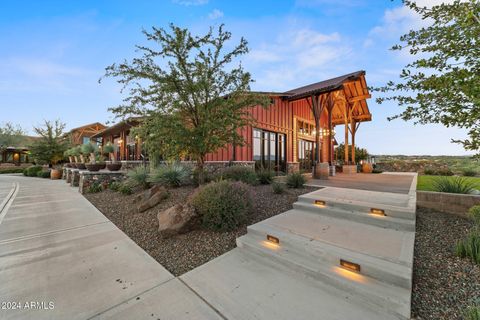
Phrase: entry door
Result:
[269,150]
[306,154]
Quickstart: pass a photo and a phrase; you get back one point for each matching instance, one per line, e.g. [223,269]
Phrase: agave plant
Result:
[110,149]
[75,151]
[454,185]
[69,155]
[90,149]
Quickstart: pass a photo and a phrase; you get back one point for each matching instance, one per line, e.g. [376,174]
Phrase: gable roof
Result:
[322,86]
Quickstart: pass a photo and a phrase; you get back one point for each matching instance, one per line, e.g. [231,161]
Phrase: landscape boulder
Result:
[150,198]
[176,219]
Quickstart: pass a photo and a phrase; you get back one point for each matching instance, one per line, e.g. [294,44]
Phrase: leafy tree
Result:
[51,145]
[360,153]
[12,135]
[443,84]
[191,94]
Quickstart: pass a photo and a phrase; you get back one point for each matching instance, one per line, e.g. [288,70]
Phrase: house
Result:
[284,137]
[83,134]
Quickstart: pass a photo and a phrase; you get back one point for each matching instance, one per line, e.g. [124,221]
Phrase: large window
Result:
[269,150]
[305,154]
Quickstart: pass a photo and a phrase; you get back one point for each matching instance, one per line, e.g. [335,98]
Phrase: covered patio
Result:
[337,101]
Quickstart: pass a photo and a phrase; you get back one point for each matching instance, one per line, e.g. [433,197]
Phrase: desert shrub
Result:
[295,180]
[278,188]
[125,189]
[94,188]
[139,176]
[11,170]
[444,172]
[453,185]
[429,171]
[32,171]
[114,186]
[265,176]
[472,313]
[43,174]
[239,173]
[222,205]
[207,176]
[171,175]
[469,172]
[474,214]
[469,247]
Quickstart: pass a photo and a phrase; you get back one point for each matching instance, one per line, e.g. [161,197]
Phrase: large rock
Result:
[150,198]
[177,219]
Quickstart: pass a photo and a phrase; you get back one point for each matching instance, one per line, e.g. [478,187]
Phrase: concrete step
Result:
[386,244]
[395,205]
[246,286]
[313,253]
[357,216]
[362,289]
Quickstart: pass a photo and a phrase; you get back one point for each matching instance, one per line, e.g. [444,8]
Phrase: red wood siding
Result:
[278,117]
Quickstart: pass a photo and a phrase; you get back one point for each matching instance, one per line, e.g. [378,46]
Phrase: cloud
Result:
[189,3]
[215,14]
[296,57]
[316,3]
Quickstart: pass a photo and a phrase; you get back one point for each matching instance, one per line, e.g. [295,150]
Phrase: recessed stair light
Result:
[350,265]
[273,239]
[320,203]
[378,212]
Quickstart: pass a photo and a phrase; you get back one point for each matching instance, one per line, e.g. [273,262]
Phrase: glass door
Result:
[269,150]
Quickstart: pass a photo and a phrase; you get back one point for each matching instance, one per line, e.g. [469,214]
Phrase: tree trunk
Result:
[200,170]
[112,157]
[92,158]
[82,159]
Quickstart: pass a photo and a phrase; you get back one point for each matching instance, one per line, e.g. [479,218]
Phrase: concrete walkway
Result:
[60,258]
[59,252]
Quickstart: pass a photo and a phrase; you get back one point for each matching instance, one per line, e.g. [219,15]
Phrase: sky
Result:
[52,54]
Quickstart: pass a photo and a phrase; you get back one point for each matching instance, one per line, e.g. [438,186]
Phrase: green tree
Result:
[51,144]
[443,84]
[12,135]
[360,153]
[191,92]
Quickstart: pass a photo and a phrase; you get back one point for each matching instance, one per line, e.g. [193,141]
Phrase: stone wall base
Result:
[349,169]
[87,178]
[447,202]
[321,170]
[293,167]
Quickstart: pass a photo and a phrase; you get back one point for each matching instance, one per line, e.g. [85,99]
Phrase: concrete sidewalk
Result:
[60,258]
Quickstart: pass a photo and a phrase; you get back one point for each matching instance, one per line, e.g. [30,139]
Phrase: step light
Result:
[378,212]
[320,203]
[273,239]
[350,265]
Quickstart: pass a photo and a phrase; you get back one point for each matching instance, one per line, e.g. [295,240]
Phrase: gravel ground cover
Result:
[185,252]
[444,285]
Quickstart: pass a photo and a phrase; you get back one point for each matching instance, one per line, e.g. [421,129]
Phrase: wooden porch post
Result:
[330,109]
[346,132]
[354,131]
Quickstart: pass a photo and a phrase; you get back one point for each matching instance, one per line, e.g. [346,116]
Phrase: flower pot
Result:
[114,166]
[367,168]
[81,166]
[102,165]
[68,165]
[93,166]
[55,174]
[73,165]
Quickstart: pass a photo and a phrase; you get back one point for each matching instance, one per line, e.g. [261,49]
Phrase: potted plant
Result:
[75,152]
[68,154]
[90,150]
[110,149]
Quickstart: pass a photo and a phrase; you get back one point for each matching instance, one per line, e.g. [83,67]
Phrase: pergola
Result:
[344,101]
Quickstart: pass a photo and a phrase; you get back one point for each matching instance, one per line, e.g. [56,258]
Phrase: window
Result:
[86,140]
[305,154]
[269,150]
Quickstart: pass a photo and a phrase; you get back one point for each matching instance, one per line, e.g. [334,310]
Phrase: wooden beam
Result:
[359,98]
